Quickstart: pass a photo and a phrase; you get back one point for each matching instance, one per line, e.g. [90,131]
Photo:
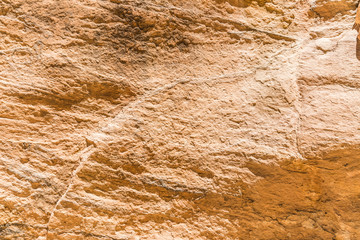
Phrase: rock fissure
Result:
[84,155]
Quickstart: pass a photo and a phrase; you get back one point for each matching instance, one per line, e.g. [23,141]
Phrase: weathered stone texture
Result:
[179,120]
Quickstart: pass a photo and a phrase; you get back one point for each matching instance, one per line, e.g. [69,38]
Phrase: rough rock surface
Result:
[162,119]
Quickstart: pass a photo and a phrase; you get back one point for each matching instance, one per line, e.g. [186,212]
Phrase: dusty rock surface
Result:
[168,119]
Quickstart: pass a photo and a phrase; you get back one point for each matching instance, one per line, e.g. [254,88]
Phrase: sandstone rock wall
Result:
[179,120]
